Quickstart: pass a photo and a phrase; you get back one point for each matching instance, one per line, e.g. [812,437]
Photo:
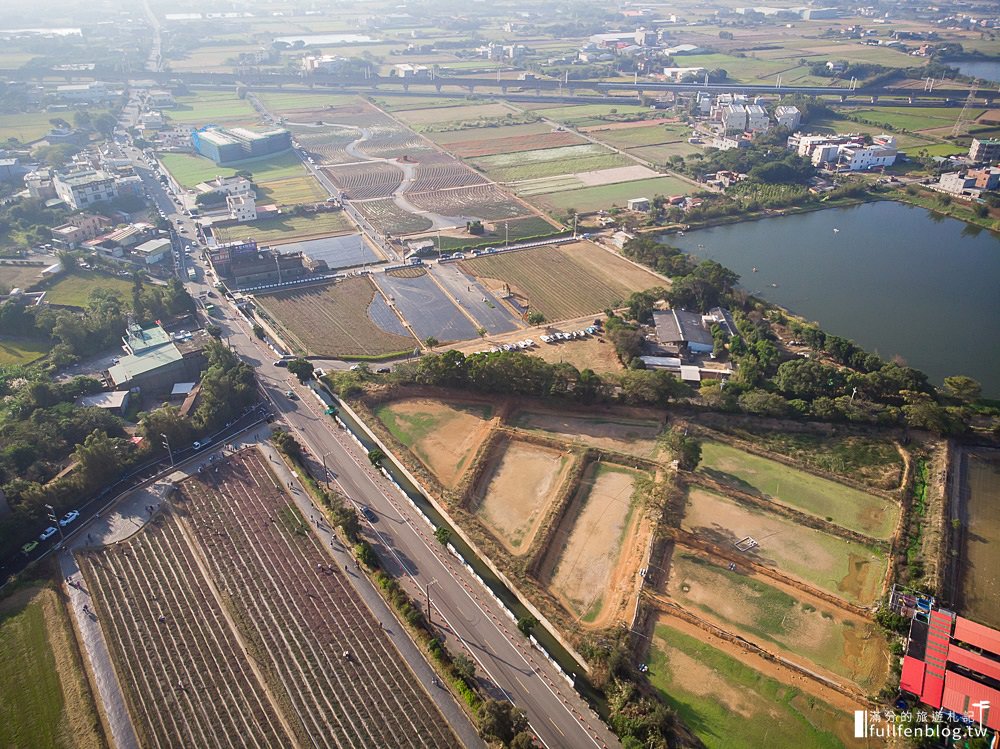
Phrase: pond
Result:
[897,279]
[984,70]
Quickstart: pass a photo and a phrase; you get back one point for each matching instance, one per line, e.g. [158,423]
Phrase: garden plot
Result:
[614,433]
[333,320]
[804,628]
[512,143]
[422,118]
[345,251]
[390,141]
[327,142]
[444,435]
[430,313]
[845,569]
[485,134]
[604,197]
[441,173]
[299,613]
[186,677]
[549,162]
[517,488]
[486,202]
[840,504]
[389,218]
[632,137]
[662,153]
[596,551]
[366,181]
[611,176]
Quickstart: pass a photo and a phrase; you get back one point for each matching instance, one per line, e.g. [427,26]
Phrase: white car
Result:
[48,533]
[69,517]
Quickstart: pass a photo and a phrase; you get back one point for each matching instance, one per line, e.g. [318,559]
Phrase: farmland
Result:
[615,433]
[441,173]
[366,181]
[333,320]
[22,351]
[291,191]
[287,227]
[444,435]
[548,162]
[73,289]
[589,199]
[847,570]
[520,482]
[429,119]
[389,218]
[981,580]
[513,143]
[212,108]
[428,310]
[558,284]
[20,275]
[45,699]
[843,505]
[189,169]
[486,135]
[485,202]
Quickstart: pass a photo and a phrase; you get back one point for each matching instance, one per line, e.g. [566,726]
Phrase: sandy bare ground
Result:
[584,572]
[448,448]
[817,559]
[629,436]
[615,174]
[524,481]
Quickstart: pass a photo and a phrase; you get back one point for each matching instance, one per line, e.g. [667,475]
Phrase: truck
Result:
[191,273]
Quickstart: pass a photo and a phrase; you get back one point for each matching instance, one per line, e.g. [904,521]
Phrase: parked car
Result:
[367,512]
[290,395]
[48,533]
[201,443]
[29,547]
[69,517]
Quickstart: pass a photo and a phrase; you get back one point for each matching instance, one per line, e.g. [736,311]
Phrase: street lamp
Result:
[427,594]
[326,471]
[166,444]
[54,519]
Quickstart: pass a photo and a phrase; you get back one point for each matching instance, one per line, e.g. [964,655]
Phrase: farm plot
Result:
[981,573]
[617,174]
[443,174]
[514,230]
[661,154]
[517,487]
[22,351]
[388,141]
[483,306]
[287,227]
[183,670]
[366,181]
[729,704]
[328,142]
[590,199]
[593,555]
[648,135]
[215,107]
[346,251]
[553,281]
[430,313]
[485,202]
[20,275]
[333,320]
[805,628]
[389,218]
[444,435]
[514,143]
[74,288]
[356,113]
[509,167]
[843,505]
[299,613]
[848,570]
[292,191]
[422,118]
[614,433]
[487,134]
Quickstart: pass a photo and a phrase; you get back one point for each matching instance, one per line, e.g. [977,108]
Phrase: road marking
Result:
[557,727]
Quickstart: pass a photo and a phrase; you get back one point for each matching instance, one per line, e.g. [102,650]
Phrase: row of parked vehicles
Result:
[49,532]
[527,343]
[582,333]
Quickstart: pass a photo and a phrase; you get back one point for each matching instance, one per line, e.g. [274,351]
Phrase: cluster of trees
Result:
[696,286]
[27,222]
[766,160]
[42,431]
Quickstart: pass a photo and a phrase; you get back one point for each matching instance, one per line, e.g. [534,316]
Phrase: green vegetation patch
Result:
[189,169]
[73,288]
[589,199]
[21,351]
[212,108]
[287,228]
[410,428]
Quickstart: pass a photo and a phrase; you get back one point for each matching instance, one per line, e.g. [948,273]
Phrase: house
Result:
[411,72]
[857,158]
[837,67]
[757,119]
[115,401]
[78,229]
[683,49]
[619,238]
[324,63]
[640,205]
[681,331]
[152,251]
[160,99]
[235,186]
[155,361]
[242,208]
[39,184]
[788,117]
[984,150]
[679,74]
[733,118]
[972,182]
[86,187]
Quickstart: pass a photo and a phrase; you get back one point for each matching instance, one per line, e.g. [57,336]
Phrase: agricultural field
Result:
[613,432]
[190,169]
[304,190]
[562,282]
[366,181]
[981,571]
[730,704]
[514,230]
[518,486]
[914,119]
[334,320]
[286,228]
[804,628]
[389,218]
[45,698]
[18,276]
[73,289]
[391,103]
[549,162]
[393,141]
[428,119]
[212,108]
[441,172]
[444,435]
[662,153]
[287,103]
[327,143]
[428,310]
[583,115]
[299,612]
[26,127]
[593,551]
[20,351]
[582,353]
[486,202]
[486,135]
[845,569]
[848,507]
[590,199]
[528,139]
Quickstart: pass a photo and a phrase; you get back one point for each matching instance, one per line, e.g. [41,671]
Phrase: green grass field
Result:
[581,114]
[212,108]
[289,228]
[843,505]
[729,705]
[539,169]
[30,126]
[21,351]
[279,103]
[189,169]
[588,199]
[74,288]
[44,699]
[661,154]
[635,136]
[412,427]
[291,191]
[915,119]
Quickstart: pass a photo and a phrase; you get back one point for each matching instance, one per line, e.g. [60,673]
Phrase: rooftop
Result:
[112,399]
[681,326]
[149,360]
[139,340]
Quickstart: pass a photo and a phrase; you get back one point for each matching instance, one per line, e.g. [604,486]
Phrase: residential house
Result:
[83,188]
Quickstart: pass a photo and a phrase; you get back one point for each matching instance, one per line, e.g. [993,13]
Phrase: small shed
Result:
[640,205]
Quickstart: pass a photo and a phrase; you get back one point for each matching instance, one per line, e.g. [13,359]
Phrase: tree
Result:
[527,624]
[501,721]
[535,317]
[963,388]
[443,535]
[258,330]
[102,458]
[686,450]
[301,368]
[464,666]
[763,403]
[376,456]
[523,740]
[431,341]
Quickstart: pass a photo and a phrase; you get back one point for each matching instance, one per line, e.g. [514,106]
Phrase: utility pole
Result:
[55,520]
[427,594]
[506,234]
[166,444]
[326,471]
[574,225]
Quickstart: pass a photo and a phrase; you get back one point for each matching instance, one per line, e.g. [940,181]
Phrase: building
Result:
[39,184]
[78,229]
[242,208]
[640,205]
[155,360]
[680,331]
[231,145]
[91,93]
[115,401]
[856,158]
[679,74]
[733,118]
[683,49]
[325,64]
[645,37]
[788,117]
[152,251]
[411,72]
[983,151]
[245,265]
[234,186]
[84,188]
[160,99]
[757,119]
[953,664]
[972,182]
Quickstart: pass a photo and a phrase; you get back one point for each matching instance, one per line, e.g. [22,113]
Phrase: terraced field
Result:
[366,181]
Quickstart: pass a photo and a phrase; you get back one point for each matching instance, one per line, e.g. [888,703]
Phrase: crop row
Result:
[389,218]
[441,176]
[187,680]
[304,616]
[366,181]
[480,201]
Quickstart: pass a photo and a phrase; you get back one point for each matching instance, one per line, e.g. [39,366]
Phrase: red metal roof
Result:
[933,689]
[976,634]
[961,694]
[912,679]
[974,662]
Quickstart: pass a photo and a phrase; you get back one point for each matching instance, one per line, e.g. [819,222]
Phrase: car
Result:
[48,533]
[281,362]
[383,370]
[29,547]
[69,517]
[290,395]
[367,512]
[199,444]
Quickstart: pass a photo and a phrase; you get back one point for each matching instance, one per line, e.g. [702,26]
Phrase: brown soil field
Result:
[981,573]
[848,570]
[513,144]
[522,481]
[603,262]
[630,436]
[780,618]
[626,125]
[446,137]
[444,435]
[333,320]
[601,548]
[452,114]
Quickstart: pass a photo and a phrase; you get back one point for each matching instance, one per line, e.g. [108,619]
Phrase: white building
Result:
[825,153]
[733,118]
[152,252]
[235,186]
[160,99]
[788,117]
[406,70]
[84,188]
[94,91]
[757,119]
[323,63]
[242,208]
[638,204]
[678,74]
[857,158]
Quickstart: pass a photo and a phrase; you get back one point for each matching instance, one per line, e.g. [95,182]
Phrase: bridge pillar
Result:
[909,99]
[538,91]
[406,88]
[437,87]
[503,89]
[874,99]
[843,98]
